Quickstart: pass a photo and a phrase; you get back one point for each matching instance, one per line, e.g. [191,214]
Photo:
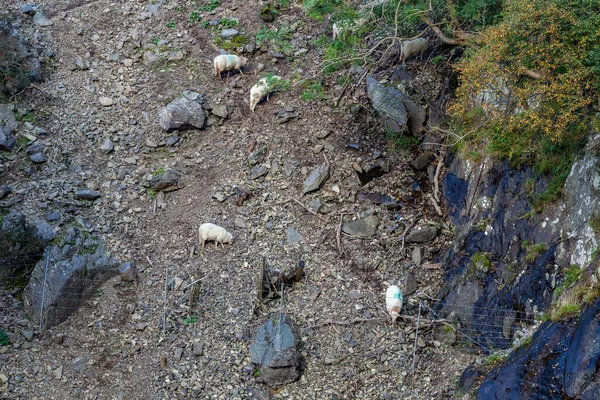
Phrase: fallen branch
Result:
[338,235]
[309,210]
[436,205]
[436,179]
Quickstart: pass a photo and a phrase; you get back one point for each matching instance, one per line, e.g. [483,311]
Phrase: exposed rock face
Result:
[561,362]
[74,274]
[505,265]
[275,351]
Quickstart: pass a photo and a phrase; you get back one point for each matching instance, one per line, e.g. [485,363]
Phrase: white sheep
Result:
[262,90]
[215,233]
[228,62]
[393,301]
[342,26]
[413,47]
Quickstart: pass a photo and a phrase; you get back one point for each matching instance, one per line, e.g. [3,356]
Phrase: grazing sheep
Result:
[228,62]
[393,301]
[215,233]
[262,90]
[413,47]
[342,26]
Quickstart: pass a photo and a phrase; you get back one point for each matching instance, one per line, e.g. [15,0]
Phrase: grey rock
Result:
[387,101]
[315,205]
[422,235]
[240,223]
[82,64]
[43,230]
[87,194]
[417,256]
[198,348]
[409,284]
[53,216]
[229,33]
[293,236]
[82,257]
[180,113]
[38,158]
[5,191]
[258,171]
[107,146]
[128,272]
[173,140]
[220,111]
[79,363]
[29,8]
[421,162]
[40,19]
[323,134]
[166,181]
[7,140]
[7,118]
[257,155]
[27,334]
[275,351]
[152,8]
[362,227]
[316,179]
[178,354]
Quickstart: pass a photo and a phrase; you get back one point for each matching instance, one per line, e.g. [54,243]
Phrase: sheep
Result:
[413,47]
[342,26]
[215,233]
[262,90]
[227,62]
[393,301]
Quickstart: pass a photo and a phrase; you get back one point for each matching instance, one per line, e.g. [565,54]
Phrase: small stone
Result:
[40,19]
[316,179]
[58,372]
[82,64]
[240,223]
[323,134]
[409,284]
[87,194]
[362,227]
[293,236]
[317,148]
[198,349]
[27,334]
[79,364]
[258,171]
[221,111]
[128,272]
[417,256]
[107,146]
[421,161]
[106,101]
[59,339]
[128,62]
[315,205]
[173,140]
[178,353]
[229,33]
[38,158]
[422,235]
[166,181]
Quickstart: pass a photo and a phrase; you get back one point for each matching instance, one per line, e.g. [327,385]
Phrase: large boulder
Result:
[275,351]
[387,101]
[183,112]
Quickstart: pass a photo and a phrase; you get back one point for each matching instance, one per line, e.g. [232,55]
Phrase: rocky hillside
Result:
[308,183]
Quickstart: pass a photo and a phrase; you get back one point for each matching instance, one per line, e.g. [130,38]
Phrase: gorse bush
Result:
[527,83]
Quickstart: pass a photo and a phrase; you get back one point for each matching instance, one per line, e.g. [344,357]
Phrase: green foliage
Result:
[496,358]
[401,142]
[533,251]
[194,16]
[227,23]
[313,91]
[481,262]
[571,276]
[151,193]
[231,44]
[541,122]
[191,320]
[279,39]
[595,223]
[209,6]
[566,311]
[317,9]
[171,24]
[276,85]
[4,340]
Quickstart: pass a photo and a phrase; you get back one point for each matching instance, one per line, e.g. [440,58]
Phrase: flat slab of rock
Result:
[316,179]
[40,19]
[229,33]
[181,112]
[275,350]
[87,194]
[166,181]
[421,161]
[361,227]
[387,100]
[423,235]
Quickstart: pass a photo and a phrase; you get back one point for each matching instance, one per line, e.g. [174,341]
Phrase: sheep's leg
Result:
[241,72]
[216,244]
[202,241]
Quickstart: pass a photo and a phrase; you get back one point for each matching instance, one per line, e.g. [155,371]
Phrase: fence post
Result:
[44,289]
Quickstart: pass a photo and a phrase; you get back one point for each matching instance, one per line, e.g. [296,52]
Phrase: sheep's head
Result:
[228,238]
[243,61]
[254,99]
[394,312]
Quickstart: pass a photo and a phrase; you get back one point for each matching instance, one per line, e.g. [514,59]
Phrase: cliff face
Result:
[506,264]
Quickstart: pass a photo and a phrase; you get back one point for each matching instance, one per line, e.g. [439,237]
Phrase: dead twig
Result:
[309,210]
[435,205]
[436,179]
[338,235]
